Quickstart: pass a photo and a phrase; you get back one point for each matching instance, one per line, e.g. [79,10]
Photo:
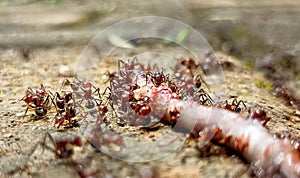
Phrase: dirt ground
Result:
[58,59]
[50,67]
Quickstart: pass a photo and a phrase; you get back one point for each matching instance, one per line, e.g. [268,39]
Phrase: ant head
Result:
[68,96]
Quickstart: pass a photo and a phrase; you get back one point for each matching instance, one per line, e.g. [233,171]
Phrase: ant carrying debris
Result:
[38,100]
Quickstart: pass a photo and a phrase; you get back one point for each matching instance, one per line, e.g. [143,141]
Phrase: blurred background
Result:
[263,34]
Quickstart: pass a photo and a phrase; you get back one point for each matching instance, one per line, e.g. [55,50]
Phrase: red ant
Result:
[66,114]
[64,111]
[261,115]
[26,53]
[102,105]
[75,85]
[156,77]
[63,147]
[234,106]
[204,98]
[128,66]
[62,100]
[189,63]
[281,91]
[37,101]
[100,138]
[141,107]
[87,89]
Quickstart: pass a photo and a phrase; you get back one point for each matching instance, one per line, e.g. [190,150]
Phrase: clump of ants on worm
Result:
[179,101]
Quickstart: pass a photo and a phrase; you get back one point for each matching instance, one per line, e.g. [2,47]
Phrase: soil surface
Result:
[58,60]
[50,67]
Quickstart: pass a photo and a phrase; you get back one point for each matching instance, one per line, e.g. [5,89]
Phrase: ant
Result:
[26,53]
[62,100]
[189,63]
[66,114]
[204,98]
[234,106]
[281,91]
[261,115]
[157,78]
[199,81]
[75,85]
[103,105]
[64,110]
[87,89]
[141,107]
[100,137]
[63,148]
[129,65]
[39,100]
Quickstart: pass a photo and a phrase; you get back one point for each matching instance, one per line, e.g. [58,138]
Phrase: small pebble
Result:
[20,114]
[297,113]
[7,136]
[65,71]
[2,145]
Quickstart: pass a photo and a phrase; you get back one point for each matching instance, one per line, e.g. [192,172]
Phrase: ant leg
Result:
[42,87]
[43,144]
[25,112]
[46,102]
[30,90]
[237,109]
[51,139]
[119,66]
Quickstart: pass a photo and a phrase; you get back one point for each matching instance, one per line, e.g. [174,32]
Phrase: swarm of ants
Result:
[135,95]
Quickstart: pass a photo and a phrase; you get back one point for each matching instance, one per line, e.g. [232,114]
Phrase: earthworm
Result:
[270,157]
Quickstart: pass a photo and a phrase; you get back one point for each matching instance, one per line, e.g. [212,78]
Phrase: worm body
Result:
[271,157]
